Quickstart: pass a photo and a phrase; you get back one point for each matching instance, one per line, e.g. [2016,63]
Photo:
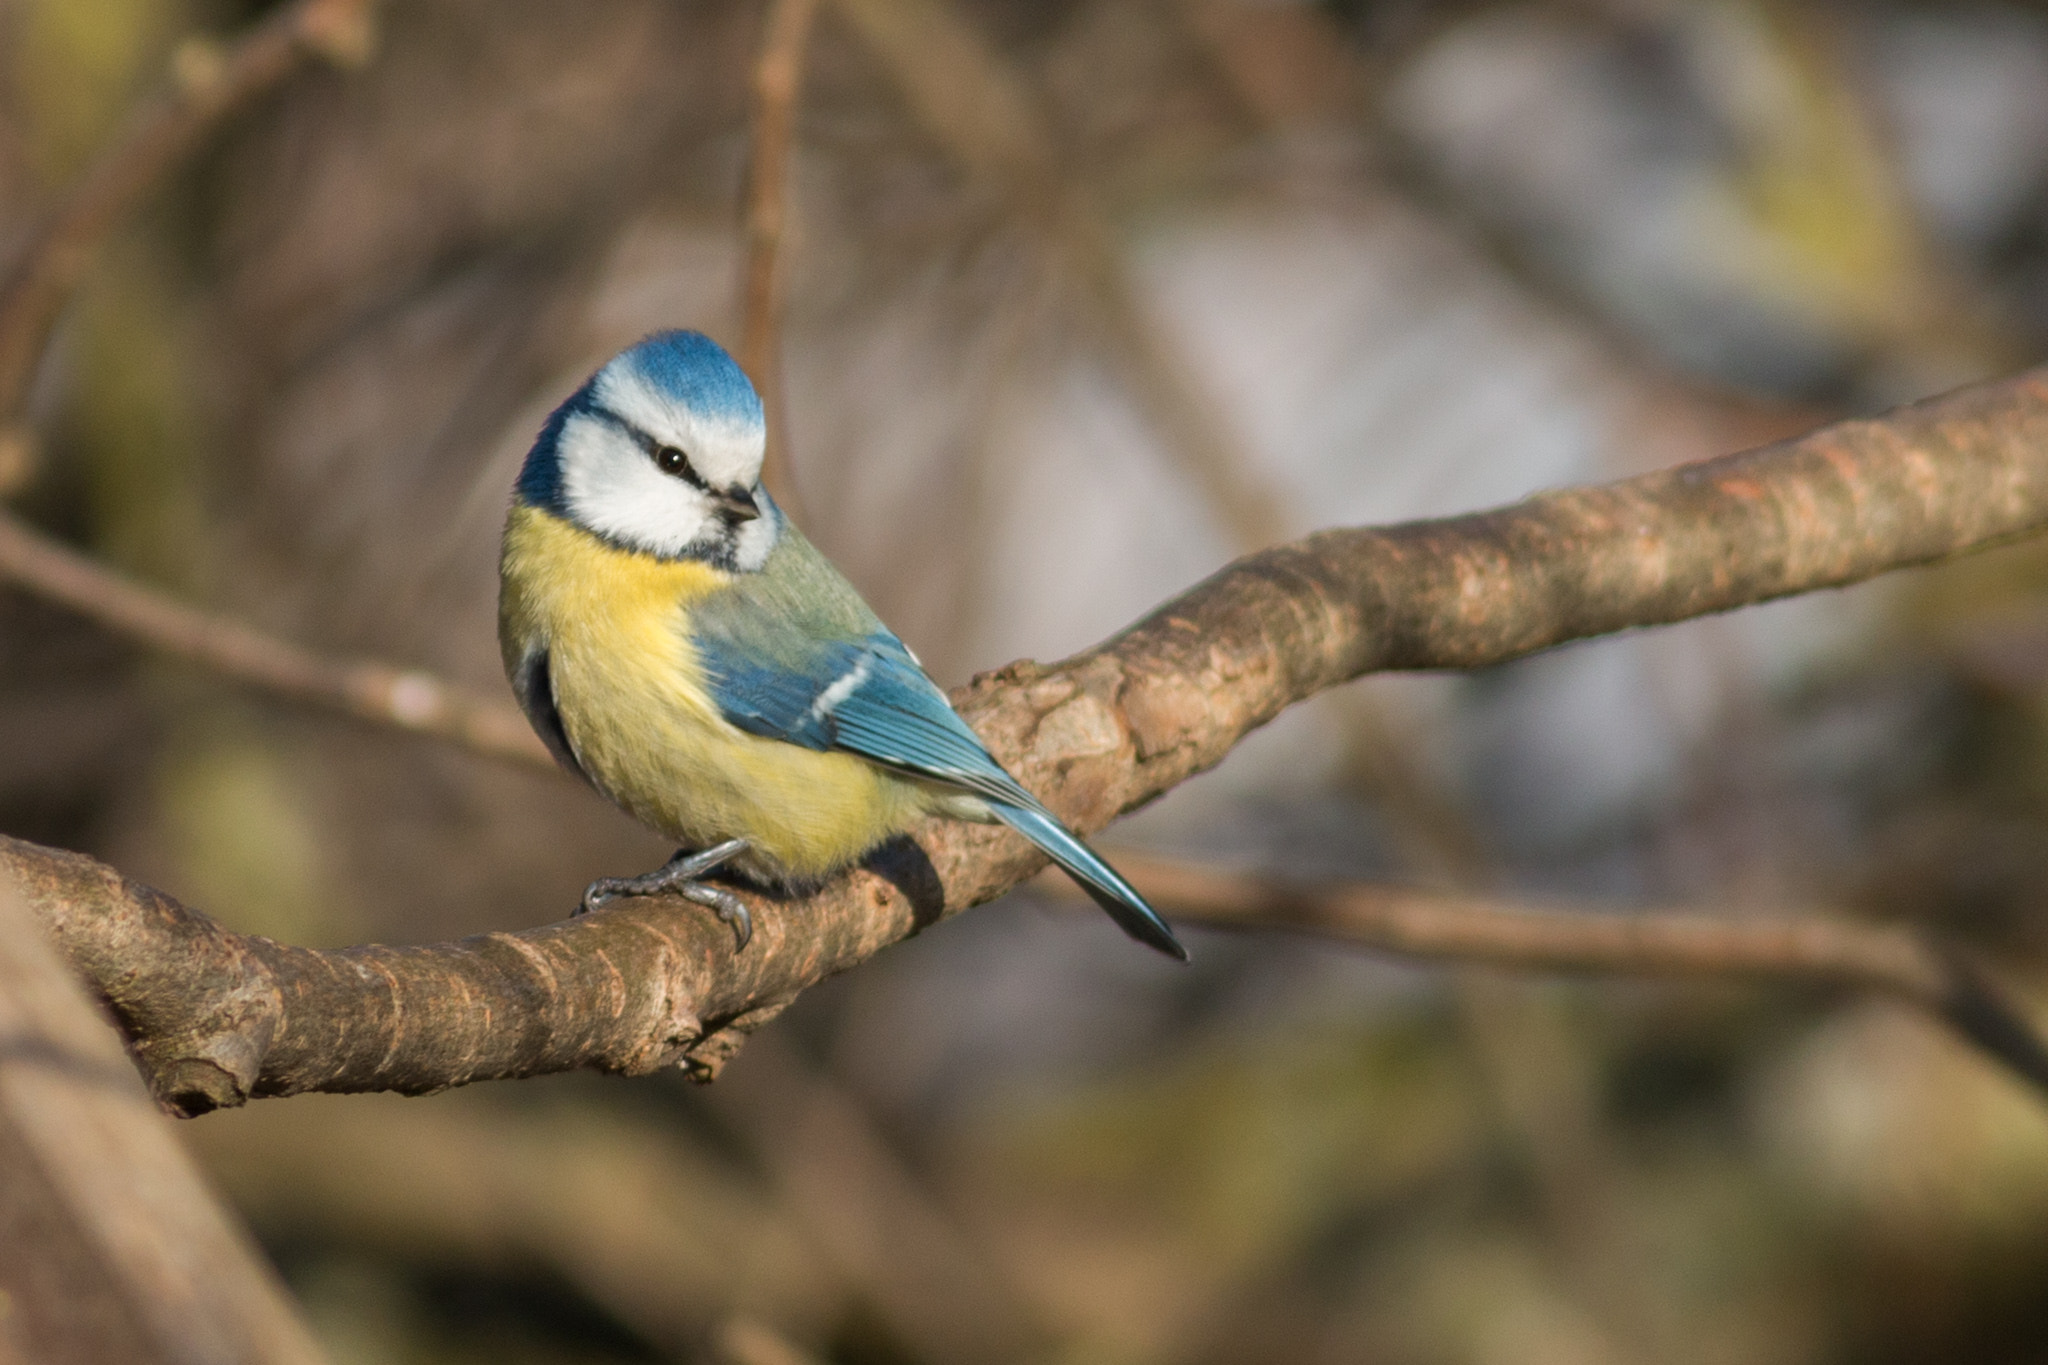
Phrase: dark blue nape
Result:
[688,366]
[540,478]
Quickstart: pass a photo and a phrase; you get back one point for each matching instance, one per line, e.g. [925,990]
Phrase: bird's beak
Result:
[736,505]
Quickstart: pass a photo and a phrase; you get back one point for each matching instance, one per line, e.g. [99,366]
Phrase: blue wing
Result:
[870,697]
[775,700]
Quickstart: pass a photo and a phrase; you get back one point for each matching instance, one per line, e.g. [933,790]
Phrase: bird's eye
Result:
[671,461]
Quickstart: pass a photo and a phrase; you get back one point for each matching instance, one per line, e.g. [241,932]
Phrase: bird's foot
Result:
[679,875]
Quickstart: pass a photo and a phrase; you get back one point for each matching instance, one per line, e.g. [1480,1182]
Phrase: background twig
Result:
[1480,929]
[776,87]
[209,83]
[405,698]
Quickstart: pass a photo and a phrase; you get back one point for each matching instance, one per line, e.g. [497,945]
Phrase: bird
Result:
[679,645]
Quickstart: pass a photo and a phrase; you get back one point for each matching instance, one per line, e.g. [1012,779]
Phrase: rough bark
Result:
[218,1017]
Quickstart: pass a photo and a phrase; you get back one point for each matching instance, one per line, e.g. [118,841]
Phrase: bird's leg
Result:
[679,874]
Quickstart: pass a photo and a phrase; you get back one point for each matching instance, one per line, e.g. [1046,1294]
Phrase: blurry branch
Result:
[378,692]
[777,83]
[980,110]
[1438,926]
[111,1246]
[209,82]
[1290,67]
[216,1017]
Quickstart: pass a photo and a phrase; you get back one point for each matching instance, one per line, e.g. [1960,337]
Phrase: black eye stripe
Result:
[668,459]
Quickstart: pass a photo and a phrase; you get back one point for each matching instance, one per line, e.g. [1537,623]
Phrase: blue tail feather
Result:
[1096,877]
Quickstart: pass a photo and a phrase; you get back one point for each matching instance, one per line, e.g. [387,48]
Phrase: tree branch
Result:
[1440,927]
[386,695]
[778,80]
[209,83]
[218,1017]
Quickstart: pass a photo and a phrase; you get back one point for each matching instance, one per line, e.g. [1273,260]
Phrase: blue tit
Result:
[680,645]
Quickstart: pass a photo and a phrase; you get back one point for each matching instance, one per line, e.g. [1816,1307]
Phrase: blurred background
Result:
[1084,298]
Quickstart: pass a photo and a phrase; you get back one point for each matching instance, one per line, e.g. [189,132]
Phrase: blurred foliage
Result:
[1404,257]
[76,65]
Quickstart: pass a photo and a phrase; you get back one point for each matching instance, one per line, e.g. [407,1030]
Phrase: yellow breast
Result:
[634,705]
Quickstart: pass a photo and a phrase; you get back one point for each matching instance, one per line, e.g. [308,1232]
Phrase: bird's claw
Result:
[730,909]
[679,875]
[600,891]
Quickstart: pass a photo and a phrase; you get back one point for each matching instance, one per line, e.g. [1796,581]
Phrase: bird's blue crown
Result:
[686,367]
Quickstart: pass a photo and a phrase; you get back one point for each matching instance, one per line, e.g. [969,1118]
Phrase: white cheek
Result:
[612,487]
